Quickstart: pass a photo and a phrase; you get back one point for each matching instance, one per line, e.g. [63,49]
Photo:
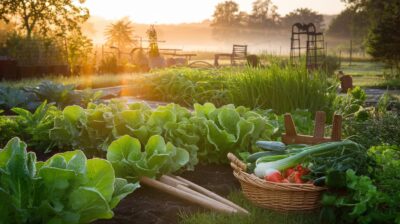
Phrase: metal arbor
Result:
[314,45]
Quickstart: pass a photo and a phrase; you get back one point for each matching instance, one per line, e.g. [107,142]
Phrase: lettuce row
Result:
[207,132]
[67,188]
[157,158]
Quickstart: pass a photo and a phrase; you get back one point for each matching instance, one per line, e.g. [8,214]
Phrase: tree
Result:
[383,40]
[79,50]
[226,14]
[350,24]
[303,15]
[264,13]
[45,16]
[120,34]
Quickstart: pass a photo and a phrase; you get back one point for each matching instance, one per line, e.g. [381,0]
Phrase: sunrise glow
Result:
[187,11]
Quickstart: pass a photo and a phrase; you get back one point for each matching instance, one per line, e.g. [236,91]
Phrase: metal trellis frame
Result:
[314,45]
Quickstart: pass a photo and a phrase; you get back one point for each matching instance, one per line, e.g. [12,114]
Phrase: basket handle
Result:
[236,164]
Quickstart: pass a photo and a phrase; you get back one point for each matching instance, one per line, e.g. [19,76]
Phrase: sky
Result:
[188,11]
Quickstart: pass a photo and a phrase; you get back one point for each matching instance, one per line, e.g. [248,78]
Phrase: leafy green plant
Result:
[8,129]
[53,92]
[380,129]
[157,158]
[67,188]
[385,169]
[14,97]
[229,129]
[34,127]
[350,104]
[368,199]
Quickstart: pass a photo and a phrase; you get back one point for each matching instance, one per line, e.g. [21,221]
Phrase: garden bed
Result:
[149,206]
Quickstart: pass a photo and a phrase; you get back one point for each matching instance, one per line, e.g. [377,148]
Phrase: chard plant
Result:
[67,188]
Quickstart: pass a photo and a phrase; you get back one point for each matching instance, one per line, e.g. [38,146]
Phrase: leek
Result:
[304,156]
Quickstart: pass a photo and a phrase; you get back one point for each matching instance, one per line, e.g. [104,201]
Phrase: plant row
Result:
[281,88]
[31,97]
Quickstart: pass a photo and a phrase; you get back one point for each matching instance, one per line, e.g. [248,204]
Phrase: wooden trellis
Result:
[313,46]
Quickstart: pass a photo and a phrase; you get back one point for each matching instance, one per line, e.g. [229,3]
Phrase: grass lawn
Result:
[257,215]
[369,74]
[363,68]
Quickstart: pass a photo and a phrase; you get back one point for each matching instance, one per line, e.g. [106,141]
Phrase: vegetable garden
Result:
[68,157]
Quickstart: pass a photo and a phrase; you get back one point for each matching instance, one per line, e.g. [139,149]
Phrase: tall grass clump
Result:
[282,88]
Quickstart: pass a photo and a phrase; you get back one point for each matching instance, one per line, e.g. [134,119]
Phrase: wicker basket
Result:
[283,197]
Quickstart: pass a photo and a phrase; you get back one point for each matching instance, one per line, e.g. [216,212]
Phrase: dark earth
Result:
[150,206]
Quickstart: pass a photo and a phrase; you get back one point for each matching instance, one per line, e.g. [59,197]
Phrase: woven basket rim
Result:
[256,181]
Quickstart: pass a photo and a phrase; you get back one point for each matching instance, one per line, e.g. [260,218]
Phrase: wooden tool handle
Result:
[212,195]
[185,196]
[236,164]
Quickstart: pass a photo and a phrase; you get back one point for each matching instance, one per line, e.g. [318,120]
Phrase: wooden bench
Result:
[239,53]
[187,56]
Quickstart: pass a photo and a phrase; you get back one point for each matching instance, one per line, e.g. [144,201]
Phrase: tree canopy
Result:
[383,40]
[350,24]
[226,14]
[120,34]
[264,13]
[45,17]
[303,15]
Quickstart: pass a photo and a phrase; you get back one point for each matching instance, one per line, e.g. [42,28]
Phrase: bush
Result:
[382,129]
[331,64]
[108,65]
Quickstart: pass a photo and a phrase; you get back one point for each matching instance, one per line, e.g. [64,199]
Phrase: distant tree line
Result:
[228,19]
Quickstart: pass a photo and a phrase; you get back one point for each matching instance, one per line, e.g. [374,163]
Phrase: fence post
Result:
[351,51]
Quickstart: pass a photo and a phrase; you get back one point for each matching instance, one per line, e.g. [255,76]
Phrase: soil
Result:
[149,206]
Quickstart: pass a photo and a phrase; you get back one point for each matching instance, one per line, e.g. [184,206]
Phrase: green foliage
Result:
[54,93]
[13,97]
[383,37]
[157,158]
[379,129]
[330,64]
[30,98]
[120,34]
[8,129]
[108,65]
[385,168]
[368,199]
[34,127]
[213,131]
[226,14]
[303,15]
[351,103]
[79,49]
[45,17]
[350,23]
[229,129]
[357,205]
[35,51]
[67,188]
[283,89]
